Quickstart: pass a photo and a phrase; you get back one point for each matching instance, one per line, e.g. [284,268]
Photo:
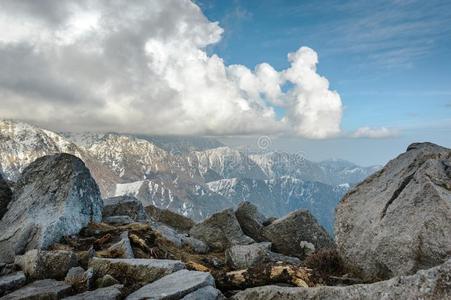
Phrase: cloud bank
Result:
[142,67]
[375,133]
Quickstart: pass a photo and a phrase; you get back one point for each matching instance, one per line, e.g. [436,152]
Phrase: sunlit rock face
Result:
[399,220]
[54,197]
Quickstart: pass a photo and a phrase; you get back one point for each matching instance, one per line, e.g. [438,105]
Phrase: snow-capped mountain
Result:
[332,172]
[204,177]
[21,144]
[224,162]
[277,197]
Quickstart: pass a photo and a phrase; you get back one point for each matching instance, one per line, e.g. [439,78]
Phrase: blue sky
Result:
[390,61]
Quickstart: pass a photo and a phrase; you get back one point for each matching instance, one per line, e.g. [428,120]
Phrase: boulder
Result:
[434,283]
[180,239]
[221,231]
[170,218]
[251,220]
[121,249]
[174,286]
[41,289]
[11,282]
[80,279]
[105,281]
[107,293]
[205,293]
[398,220]
[134,270]
[124,206]
[289,235]
[5,196]
[55,197]
[41,264]
[245,256]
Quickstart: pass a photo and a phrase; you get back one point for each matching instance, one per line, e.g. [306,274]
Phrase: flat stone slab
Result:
[108,293]
[205,293]
[174,286]
[12,282]
[135,270]
[42,289]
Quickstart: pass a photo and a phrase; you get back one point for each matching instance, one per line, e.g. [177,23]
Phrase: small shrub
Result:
[325,263]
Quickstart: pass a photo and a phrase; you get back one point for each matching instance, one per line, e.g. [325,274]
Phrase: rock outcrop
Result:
[55,196]
[293,234]
[124,206]
[434,283]
[5,196]
[251,220]
[221,231]
[399,220]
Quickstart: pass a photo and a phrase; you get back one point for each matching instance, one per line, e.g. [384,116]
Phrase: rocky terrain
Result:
[193,176]
[60,239]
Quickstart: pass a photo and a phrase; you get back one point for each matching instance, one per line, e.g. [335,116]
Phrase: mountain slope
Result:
[194,183]
[21,144]
[278,197]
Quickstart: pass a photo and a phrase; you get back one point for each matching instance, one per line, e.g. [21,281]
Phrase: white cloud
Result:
[375,133]
[141,66]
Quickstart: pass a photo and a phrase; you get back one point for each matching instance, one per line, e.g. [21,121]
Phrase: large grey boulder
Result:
[399,220]
[108,293]
[174,286]
[140,271]
[434,283]
[5,196]
[40,264]
[41,289]
[11,282]
[251,220]
[294,234]
[221,231]
[124,206]
[55,197]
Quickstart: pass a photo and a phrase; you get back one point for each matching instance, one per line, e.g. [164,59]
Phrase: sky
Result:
[358,80]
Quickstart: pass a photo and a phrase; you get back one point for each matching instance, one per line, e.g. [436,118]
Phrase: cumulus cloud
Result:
[375,133]
[142,67]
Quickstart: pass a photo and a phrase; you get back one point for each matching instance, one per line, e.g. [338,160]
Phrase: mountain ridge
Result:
[183,181]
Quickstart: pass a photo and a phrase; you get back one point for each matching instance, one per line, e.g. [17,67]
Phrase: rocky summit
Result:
[54,197]
[399,220]
[59,239]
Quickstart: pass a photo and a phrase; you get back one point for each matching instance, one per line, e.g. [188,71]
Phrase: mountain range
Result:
[194,176]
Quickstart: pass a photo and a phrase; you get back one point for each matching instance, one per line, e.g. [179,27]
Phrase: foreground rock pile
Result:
[58,239]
